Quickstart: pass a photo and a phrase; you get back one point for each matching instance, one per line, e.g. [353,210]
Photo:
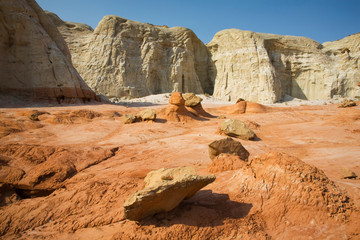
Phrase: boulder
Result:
[164,190]
[129,118]
[347,103]
[35,62]
[147,115]
[236,128]
[348,174]
[229,146]
[191,100]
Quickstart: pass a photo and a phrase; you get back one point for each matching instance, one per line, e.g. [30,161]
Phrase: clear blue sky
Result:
[321,20]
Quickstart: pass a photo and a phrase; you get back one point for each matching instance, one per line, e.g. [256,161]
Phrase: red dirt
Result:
[69,181]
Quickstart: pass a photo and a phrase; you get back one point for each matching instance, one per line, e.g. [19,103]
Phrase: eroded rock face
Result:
[284,187]
[35,63]
[133,59]
[265,67]
[164,190]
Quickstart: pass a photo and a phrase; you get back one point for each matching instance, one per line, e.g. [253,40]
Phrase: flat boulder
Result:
[164,190]
[147,115]
[236,128]
[229,146]
[348,174]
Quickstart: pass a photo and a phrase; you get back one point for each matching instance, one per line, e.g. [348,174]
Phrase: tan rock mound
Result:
[129,118]
[348,173]
[164,190]
[176,110]
[236,128]
[52,76]
[147,115]
[347,103]
[229,146]
[284,187]
[226,162]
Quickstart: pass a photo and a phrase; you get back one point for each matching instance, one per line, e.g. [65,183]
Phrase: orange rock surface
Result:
[72,171]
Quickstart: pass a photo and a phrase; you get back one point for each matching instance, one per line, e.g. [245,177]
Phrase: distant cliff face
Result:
[265,67]
[123,58]
[35,63]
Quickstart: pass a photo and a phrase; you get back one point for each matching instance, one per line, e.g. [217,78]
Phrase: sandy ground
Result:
[89,204]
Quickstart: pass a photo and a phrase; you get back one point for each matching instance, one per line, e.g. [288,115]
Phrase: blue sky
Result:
[321,20]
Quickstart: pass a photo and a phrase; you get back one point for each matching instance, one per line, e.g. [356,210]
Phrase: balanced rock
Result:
[164,190]
[236,128]
[176,110]
[229,146]
[191,100]
[35,62]
[147,115]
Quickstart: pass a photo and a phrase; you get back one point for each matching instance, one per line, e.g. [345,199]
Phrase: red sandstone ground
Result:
[81,166]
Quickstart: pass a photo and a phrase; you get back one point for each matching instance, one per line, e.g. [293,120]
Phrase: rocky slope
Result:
[265,67]
[123,58]
[35,63]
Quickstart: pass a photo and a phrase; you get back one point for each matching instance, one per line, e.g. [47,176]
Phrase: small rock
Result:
[164,190]
[191,100]
[148,115]
[348,174]
[221,117]
[227,145]
[236,128]
[347,103]
[129,118]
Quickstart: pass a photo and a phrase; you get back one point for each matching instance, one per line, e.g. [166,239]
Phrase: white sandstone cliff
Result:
[123,58]
[35,63]
[265,67]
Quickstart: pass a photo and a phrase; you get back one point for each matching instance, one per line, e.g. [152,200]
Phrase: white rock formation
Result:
[35,63]
[265,67]
[123,58]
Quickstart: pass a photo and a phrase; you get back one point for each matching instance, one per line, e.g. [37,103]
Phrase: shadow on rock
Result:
[205,208]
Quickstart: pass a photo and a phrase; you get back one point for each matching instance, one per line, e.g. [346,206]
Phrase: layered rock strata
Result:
[123,58]
[264,68]
[35,63]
